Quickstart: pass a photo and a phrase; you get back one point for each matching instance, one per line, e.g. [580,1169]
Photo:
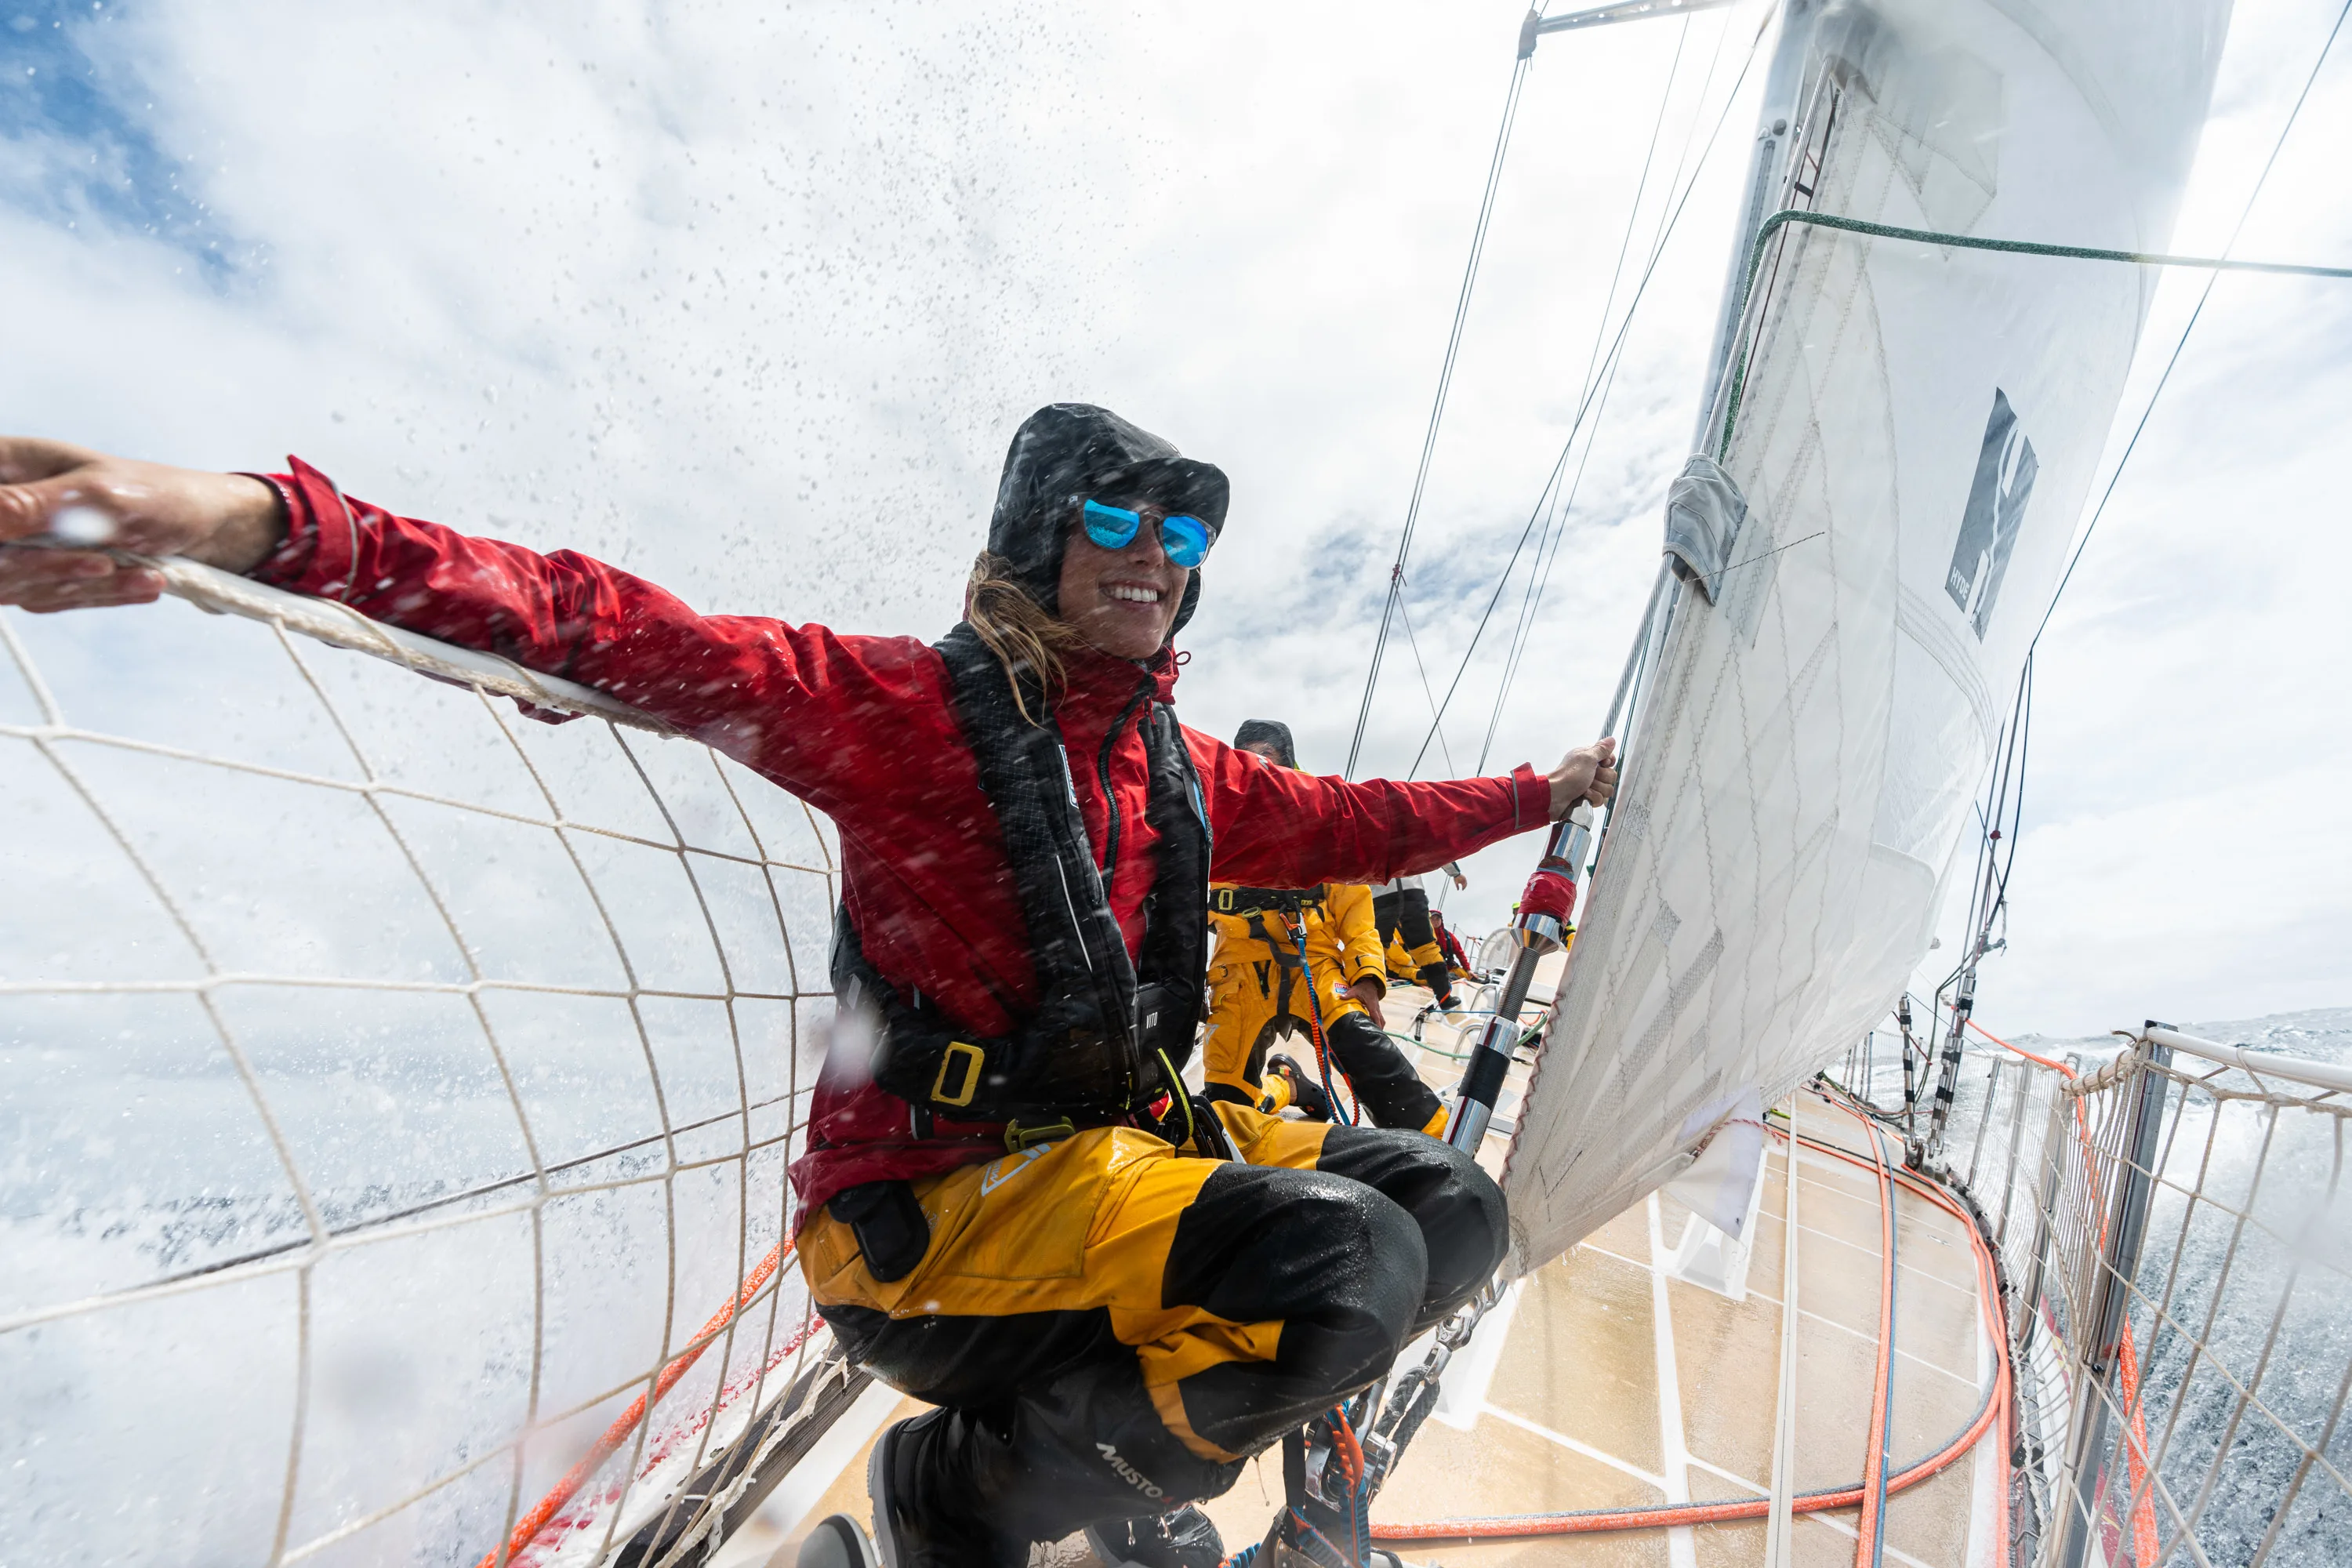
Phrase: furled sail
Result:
[1907,433]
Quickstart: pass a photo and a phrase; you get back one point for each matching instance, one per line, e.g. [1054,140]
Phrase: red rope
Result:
[1873,1464]
[527,1529]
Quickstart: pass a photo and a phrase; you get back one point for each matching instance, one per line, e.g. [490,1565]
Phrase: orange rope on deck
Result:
[1996,1406]
[1866,1554]
[527,1529]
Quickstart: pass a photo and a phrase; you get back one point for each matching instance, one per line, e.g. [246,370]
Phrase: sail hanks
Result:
[1910,432]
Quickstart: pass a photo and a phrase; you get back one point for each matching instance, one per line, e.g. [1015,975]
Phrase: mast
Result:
[1767,172]
[1574,846]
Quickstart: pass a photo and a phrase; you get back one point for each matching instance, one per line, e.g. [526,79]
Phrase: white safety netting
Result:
[1913,430]
[2182,1357]
[396,1086]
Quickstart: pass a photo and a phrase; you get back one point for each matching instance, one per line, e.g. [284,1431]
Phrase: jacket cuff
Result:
[322,540]
[1530,798]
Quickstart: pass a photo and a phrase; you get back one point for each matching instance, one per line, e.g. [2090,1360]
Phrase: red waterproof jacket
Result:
[864,729]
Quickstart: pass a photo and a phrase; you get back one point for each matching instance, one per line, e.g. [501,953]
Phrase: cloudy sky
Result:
[749,299]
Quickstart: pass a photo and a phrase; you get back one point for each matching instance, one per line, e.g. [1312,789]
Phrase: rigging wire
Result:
[1990,901]
[1586,406]
[1438,408]
[1404,617]
[1548,555]
[2182,341]
[1593,362]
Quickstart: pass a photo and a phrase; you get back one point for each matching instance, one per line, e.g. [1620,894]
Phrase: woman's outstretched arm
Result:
[793,702]
[1279,827]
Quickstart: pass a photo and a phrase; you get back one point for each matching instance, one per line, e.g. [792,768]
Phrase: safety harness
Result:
[1108,1037]
[1289,907]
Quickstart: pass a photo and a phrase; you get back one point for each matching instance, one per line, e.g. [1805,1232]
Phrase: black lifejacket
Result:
[1108,1035]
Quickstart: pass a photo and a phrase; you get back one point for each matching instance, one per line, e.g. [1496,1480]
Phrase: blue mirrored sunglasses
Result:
[1186,540]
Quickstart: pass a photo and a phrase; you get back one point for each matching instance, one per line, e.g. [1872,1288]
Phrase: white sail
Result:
[1914,430]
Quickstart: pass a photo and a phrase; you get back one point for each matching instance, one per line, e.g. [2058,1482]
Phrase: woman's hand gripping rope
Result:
[78,527]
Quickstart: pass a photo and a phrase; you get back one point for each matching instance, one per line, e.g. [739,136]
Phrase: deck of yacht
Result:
[1606,1379]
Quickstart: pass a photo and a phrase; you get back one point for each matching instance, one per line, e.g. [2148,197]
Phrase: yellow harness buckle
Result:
[975,1057]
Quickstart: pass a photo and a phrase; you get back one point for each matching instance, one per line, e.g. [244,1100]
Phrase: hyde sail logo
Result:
[2004,483]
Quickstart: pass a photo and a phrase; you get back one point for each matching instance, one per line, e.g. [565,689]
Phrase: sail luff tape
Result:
[340,626]
[1786,215]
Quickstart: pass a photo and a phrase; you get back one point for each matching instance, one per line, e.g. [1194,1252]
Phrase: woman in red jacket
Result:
[1010,1206]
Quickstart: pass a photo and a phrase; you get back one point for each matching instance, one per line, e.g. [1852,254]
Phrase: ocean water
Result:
[2242,1327]
[339,936]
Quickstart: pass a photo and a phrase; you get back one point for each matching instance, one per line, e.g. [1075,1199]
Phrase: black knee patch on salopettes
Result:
[1092,1449]
[1457,1207]
[1341,1268]
[1390,1092]
[969,1360]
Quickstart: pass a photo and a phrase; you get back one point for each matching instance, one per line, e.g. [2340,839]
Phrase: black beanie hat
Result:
[1258,732]
[1068,453]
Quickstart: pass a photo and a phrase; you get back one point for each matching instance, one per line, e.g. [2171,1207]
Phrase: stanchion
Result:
[2108,1319]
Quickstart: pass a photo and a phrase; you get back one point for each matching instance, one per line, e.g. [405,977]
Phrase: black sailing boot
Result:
[928,1504]
[1438,979]
[1184,1539]
[1304,1092]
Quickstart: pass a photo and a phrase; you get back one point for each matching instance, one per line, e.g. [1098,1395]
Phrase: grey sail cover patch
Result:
[2004,483]
[1704,512]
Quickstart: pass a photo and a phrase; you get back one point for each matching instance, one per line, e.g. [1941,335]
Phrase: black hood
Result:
[1067,453]
[1258,732]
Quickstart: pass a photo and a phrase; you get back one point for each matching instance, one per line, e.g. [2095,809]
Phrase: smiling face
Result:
[1122,600]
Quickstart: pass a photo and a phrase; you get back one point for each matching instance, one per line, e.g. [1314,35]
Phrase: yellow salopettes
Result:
[1257,993]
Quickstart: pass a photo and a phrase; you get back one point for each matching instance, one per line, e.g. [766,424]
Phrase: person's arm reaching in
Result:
[74,506]
[1277,828]
[772,695]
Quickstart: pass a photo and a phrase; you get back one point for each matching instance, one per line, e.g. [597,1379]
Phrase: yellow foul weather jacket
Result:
[1258,994]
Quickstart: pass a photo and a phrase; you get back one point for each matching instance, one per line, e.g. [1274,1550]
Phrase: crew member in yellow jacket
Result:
[1259,993]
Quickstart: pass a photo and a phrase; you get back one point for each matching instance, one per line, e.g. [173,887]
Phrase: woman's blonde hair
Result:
[1024,637]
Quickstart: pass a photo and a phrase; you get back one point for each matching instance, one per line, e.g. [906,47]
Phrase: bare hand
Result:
[1588,774]
[1368,990]
[63,509]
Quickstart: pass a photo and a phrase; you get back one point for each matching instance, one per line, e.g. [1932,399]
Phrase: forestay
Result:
[1912,429]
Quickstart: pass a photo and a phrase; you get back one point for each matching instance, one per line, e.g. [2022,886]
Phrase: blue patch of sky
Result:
[69,97]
